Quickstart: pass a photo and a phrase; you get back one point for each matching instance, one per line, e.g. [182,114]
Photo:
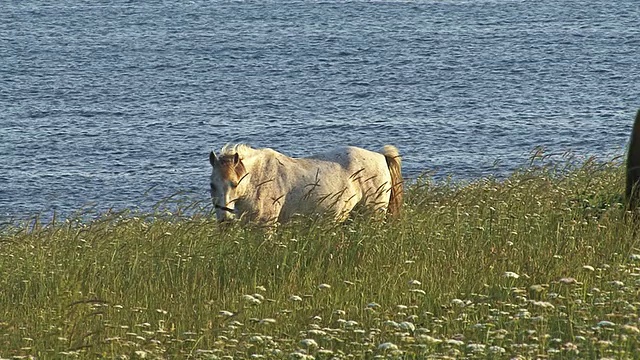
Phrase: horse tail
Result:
[394,163]
[633,166]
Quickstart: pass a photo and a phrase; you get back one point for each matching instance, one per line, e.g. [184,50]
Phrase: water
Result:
[118,105]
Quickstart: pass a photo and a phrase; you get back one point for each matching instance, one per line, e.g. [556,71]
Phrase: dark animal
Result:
[633,166]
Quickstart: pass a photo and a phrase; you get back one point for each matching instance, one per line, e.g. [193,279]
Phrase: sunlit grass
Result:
[545,263]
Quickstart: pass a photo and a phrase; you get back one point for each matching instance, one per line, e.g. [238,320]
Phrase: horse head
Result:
[227,174]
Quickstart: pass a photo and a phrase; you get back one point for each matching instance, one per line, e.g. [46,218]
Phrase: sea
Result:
[107,106]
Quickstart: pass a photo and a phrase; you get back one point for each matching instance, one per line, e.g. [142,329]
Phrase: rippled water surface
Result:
[118,105]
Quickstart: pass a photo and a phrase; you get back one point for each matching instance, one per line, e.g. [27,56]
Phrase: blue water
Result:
[117,106]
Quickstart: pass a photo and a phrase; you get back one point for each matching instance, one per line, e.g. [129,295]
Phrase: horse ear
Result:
[212,159]
[236,159]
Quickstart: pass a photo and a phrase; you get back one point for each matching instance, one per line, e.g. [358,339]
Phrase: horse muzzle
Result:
[224,213]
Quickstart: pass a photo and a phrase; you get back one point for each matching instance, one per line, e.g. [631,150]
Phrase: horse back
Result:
[333,181]
[365,171]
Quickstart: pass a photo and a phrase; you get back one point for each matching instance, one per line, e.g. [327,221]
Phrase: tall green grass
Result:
[542,264]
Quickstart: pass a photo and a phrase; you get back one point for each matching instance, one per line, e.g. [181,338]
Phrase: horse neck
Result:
[260,164]
[251,159]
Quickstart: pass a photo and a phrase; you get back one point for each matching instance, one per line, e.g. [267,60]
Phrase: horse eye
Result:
[213,188]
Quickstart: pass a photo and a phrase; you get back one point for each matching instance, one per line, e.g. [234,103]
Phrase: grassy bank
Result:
[541,264]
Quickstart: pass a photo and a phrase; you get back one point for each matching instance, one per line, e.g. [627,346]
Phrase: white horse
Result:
[265,186]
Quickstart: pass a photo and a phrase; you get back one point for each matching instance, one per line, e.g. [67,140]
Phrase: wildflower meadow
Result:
[542,264]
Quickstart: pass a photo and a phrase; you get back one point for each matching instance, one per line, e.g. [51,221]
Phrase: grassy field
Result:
[543,264]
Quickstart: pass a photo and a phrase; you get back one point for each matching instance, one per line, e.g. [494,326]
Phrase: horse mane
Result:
[230,150]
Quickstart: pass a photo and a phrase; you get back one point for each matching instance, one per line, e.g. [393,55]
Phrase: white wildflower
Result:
[391,323]
[428,339]
[300,355]
[455,342]
[251,299]
[316,332]
[308,343]
[406,325]
[536,288]
[256,339]
[568,280]
[351,323]
[523,314]
[388,346]
[511,274]
[542,304]
[476,347]
[605,323]
[631,329]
